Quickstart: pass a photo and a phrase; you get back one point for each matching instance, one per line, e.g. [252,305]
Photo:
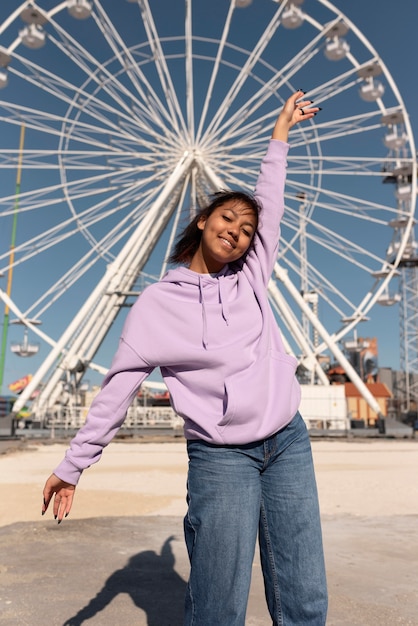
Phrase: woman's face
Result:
[227,234]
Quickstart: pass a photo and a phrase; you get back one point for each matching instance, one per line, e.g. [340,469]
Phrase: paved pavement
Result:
[122,571]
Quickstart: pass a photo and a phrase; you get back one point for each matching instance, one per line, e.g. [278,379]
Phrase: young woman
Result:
[209,327]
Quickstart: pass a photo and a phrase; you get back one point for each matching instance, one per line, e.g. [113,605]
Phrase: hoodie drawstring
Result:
[223,302]
[223,299]
[204,316]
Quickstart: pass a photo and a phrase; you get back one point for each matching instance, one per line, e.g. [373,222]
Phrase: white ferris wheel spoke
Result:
[214,73]
[161,66]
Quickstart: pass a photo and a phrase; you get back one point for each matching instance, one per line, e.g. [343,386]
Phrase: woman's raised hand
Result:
[294,111]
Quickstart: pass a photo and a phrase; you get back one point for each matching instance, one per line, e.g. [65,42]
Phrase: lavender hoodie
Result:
[216,342]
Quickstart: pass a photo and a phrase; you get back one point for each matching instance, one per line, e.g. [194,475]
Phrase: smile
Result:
[227,242]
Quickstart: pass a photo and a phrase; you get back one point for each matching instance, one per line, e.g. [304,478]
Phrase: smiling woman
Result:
[210,329]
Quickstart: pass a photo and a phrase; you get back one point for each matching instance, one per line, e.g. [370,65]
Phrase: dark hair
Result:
[189,240]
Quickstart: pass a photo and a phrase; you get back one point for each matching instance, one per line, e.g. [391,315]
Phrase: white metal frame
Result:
[133,150]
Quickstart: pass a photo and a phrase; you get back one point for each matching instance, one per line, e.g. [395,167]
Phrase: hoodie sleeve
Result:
[269,192]
[106,414]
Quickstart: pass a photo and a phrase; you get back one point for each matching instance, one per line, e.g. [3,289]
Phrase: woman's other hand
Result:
[63,500]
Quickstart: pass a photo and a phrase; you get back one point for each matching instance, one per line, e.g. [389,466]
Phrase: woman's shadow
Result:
[153,584]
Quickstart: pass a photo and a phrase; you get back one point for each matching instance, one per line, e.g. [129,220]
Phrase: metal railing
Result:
[137,417]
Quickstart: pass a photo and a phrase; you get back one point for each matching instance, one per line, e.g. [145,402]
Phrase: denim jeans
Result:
[234,492]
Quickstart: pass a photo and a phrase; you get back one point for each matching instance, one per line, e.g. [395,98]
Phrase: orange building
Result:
[357,407]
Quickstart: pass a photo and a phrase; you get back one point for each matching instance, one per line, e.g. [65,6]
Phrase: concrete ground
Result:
[106,566]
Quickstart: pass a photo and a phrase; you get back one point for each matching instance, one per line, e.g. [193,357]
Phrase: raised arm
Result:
[271,182]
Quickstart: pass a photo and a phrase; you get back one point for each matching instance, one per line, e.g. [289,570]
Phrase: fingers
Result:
[305,113]
[304,104]
[63,494]
[47,493]
[297,108]
[292,104]
[303,108]
[294,111]
[296,96]
[62,504]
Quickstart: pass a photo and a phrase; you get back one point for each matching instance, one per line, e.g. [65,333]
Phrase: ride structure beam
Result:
[106,298]
[309,359]
[283,277]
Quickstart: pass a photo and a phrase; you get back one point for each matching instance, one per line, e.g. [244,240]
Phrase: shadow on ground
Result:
[133,570]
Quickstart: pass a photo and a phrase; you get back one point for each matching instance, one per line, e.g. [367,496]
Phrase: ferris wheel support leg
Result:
[294,326]
[282,275]
[84,317]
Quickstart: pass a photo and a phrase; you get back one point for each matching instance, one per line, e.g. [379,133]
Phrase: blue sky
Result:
[392,32]
[390,28]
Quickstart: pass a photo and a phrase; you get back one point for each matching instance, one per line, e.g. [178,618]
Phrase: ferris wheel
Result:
[118,120]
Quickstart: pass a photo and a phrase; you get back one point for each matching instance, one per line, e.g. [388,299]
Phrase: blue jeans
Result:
[235,492]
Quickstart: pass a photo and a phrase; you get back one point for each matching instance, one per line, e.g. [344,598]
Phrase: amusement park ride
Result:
[132,122]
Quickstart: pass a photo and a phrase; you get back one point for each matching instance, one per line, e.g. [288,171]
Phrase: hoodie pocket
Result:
[254,392]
